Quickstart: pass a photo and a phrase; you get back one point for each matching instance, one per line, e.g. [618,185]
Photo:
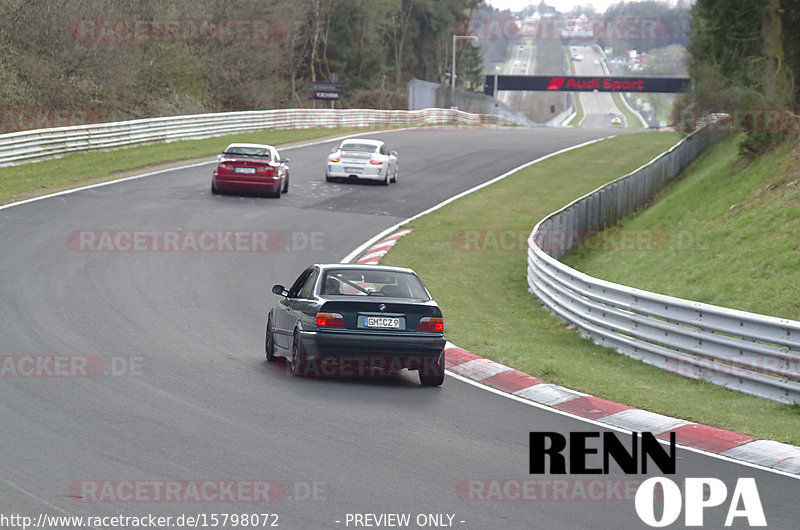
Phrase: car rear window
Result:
[363,148]
[360,282]
[247,151]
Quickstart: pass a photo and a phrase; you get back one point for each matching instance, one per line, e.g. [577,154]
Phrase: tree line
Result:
[744,59]
[125,60]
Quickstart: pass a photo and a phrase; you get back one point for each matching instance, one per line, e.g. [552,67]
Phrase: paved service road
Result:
[195,405]
[523,62]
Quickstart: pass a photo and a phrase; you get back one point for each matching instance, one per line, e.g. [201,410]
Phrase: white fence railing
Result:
[748,352]
[39,144]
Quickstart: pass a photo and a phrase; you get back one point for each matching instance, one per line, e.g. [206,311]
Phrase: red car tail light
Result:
[334,159]
[330,320]
[376,162]
[431,324]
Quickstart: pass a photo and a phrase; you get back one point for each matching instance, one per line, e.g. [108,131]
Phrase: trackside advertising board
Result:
[586,83]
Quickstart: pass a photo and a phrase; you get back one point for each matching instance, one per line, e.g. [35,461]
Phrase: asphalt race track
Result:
[596,106]
[193,399]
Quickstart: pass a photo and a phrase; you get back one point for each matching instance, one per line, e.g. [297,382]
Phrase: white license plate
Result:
[354,170]
[381,322]
[248,170]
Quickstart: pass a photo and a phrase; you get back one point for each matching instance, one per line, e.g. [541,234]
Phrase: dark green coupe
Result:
[357,320]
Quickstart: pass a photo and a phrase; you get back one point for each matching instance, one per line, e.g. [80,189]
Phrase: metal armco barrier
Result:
[29,146]
[748,352]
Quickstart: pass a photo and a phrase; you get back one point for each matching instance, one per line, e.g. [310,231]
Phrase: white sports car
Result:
[358,158]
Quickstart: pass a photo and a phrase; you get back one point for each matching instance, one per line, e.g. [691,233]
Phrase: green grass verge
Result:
[472,256]
[725,234]
[80,169]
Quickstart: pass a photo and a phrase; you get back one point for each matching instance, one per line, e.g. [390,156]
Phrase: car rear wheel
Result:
[434,375]
[214,189]
[269,343]
[286,184]
[298,363]
[277,194]
[386,178]
[328,178]
[396,171]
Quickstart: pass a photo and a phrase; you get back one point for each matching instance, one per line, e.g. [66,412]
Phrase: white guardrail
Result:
[39,144]
[748,352]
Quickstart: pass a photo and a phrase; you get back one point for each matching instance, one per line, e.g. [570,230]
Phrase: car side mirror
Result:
[284,160]
[333,150]
[393,153]
[280,290]
[219,156]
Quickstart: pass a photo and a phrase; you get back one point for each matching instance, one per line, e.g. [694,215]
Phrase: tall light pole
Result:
[453,67]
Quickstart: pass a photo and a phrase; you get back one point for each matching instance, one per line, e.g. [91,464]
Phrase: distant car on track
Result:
[350,320]
[616,120]
[251,168]
[578,57]
[362,159]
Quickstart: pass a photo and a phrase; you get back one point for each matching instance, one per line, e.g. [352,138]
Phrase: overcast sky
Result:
[561,5]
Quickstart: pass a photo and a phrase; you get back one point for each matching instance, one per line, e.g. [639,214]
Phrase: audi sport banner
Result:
[586,83]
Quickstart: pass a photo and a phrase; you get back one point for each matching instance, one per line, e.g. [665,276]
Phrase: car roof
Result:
[357,266]
[361,141]
[238,144]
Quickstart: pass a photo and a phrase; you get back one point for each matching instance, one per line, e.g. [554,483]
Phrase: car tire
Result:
[214,189]
[277,194]
[436,378]
[298,368]
[269,342]
[386,178]
[286,184]
[328,178]
[396,171]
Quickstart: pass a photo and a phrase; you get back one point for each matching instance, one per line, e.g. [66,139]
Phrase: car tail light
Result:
[330,320]
[376,162]
[334,159]
[431,324]
[223,166]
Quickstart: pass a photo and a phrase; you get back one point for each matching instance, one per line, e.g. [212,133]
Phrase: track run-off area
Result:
[162,381]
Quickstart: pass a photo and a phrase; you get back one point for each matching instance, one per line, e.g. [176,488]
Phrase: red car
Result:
[251,168]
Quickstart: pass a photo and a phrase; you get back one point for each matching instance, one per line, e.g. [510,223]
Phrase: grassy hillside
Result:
[727,234]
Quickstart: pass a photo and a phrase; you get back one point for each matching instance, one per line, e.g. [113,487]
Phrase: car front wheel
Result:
[269,343]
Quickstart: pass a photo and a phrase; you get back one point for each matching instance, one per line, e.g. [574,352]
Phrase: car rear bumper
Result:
[361,351]
[368,172]
[270,184]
